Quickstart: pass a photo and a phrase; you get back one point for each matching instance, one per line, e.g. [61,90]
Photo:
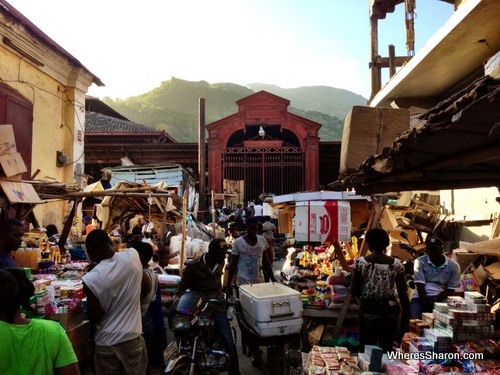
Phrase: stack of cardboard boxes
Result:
[459,319]
[468,318]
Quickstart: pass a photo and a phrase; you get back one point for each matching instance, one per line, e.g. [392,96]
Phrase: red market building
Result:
[263,149]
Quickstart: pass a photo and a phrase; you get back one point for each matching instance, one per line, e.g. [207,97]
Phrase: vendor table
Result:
[339,312]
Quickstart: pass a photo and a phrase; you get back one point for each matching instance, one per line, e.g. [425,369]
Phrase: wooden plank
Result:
[372,223]
[342,314]
[67,226]
[495,226]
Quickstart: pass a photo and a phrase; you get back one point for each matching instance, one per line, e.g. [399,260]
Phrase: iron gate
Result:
[268,170]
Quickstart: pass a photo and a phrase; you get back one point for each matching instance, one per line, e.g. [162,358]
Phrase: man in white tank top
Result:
[113,289]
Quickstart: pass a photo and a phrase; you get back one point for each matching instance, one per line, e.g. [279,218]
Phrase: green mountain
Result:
[173,106]
[325,99]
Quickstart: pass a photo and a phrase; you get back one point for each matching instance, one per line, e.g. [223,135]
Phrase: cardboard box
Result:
[494,270]
[12,164]
[411,234]
[368,130]
[68,320]
[323,221]
[397,251]
[7,140]
[465,259]
[388,219]
[19,192]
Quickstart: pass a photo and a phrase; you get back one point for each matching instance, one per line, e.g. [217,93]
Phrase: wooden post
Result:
[392,62]
[67,225]
[376,79]
[213,214]
[201,155]
[164,224]
[342,314]
[373,221]
[183,238]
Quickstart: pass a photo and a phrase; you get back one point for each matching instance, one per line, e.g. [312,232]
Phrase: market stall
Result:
[320,269]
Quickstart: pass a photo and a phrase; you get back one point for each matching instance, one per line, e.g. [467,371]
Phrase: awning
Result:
[458,146]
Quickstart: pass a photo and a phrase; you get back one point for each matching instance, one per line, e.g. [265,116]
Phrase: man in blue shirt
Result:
[436,277]
[11,237]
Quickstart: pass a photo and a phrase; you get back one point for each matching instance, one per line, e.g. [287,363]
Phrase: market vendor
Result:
[436,277]
[11,237]
[379,282]
[54,236]
[89,227]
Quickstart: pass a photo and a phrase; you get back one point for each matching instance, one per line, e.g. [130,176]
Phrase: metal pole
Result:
[201,154]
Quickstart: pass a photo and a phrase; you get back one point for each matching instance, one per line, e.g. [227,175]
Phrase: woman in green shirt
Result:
[30,346]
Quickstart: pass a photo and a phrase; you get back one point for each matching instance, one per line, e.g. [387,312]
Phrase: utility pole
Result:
[201,154]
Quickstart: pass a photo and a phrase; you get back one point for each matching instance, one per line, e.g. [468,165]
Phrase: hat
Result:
[252,204]
[233,225]
[219,245]
[87,218]
[435,243]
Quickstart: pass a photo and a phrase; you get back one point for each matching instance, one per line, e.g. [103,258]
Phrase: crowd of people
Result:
[241,213]
[124,303]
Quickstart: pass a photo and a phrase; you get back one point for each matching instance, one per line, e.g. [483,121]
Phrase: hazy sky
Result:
[132,46]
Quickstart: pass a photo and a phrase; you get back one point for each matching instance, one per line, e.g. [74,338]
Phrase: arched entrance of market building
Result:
[263,164]
[282,159]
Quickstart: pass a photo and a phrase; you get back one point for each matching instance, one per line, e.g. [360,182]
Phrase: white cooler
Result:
[271,309]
